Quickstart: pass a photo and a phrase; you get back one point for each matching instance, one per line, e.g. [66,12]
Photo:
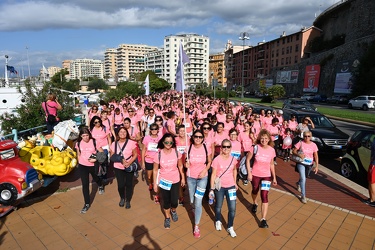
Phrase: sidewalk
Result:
[333,218]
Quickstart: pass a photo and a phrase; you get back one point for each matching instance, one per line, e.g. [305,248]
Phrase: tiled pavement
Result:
[334,218]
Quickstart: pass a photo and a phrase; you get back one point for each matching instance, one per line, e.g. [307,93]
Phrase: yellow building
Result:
[217,70]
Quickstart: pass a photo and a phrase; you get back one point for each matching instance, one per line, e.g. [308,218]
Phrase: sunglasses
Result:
[96,122]
[198,137]
[154,129]
[306,136]
[130,111]
[168,142]
[226,146]
[206,128]
[268,113]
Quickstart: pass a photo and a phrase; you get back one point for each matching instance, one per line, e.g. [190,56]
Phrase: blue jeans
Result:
[303,171]
[192,186]
[219,196]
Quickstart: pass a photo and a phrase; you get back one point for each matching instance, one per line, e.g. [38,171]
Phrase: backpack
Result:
[243,170]
[205,150]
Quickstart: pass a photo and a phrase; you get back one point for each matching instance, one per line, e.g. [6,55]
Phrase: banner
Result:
[311,81]
[287,76]
[343,82]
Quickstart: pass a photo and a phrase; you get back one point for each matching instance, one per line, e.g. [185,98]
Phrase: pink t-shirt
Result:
[246,141]
[197,160]
[262,162]
[168,165]
[236,149]
[292,125]
[101,136]
[308,149]
[228,126]
[151,148]
[181,144]
[127,152]
[267,120]
[273,130]
[221,164]
[118,119]
[171,125]
[133,130]
[257,127]
[51,106]
[221,118]
[218,138]
[86,149]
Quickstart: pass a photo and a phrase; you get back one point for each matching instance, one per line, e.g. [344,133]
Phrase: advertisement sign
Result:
[311,82]
[343,82]
[287,76]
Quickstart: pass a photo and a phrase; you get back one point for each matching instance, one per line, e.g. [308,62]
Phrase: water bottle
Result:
[211,197]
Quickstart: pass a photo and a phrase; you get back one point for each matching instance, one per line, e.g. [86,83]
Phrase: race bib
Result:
[181,149]
[199,192]
[187,125]
[307,161]
[152,146]
[276,137]
[265,185]
[165,184]
[232,194]
[236,154]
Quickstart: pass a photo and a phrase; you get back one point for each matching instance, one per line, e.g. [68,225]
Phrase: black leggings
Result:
[170,197]
[124,180]
[84,172]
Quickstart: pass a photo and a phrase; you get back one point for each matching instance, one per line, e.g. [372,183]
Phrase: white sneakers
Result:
[218,225]
[232,232]
[229,230]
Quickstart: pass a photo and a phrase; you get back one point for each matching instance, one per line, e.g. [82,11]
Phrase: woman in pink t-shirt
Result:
[198,163]
[208,136]
[308,151]
[168,175]
[246,137]
[85,149]
[219,136]
[128,149]
[224,167]
[262,173]
[50,108]
[236,149]
[149,150]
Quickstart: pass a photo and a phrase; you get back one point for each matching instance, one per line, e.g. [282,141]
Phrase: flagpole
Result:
[6,71]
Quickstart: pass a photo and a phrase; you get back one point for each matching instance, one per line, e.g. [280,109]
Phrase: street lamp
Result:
[243,36]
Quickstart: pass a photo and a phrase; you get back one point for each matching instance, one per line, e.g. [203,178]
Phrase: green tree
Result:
[364,76]
[59,78]
[30,113]
[96,83]
[124,89]
[276,91]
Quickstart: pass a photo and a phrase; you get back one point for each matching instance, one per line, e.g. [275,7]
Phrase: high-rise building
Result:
[197,49]
[130,60]
[155,61]
[217,70]
[86,68]
[66,65]
[110,63]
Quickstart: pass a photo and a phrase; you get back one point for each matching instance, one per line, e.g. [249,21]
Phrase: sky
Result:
[46,32]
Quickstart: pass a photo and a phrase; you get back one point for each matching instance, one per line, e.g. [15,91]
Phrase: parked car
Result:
[17,178]
[364,102]
[328,138]
[319,98]
[338,99]
[298,104]
[308,97]
[357,158]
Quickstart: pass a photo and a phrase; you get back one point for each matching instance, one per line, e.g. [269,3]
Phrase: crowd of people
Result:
[199,148]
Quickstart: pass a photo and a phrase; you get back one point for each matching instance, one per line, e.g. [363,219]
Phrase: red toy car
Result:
[17,178]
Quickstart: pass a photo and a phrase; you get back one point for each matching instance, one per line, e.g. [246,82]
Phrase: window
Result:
[282,51]
[297,37]
[297,47]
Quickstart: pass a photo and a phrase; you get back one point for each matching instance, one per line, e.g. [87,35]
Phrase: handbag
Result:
[118,157]
[217,181]
[296,158]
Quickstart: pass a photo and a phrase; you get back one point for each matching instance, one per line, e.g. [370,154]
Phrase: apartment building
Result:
[110,63]
[131,60]
[264,59]
[217,70]
[154,61]
[85,68]
[197,49]
[66,65]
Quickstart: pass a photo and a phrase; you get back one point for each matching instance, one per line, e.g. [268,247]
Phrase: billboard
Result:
[287,76]
[311,81]
[343,82]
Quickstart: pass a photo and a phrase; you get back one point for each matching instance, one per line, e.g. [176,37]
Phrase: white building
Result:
[110,63]
[155,61]
[197,48]
[130,59]
[85,68]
